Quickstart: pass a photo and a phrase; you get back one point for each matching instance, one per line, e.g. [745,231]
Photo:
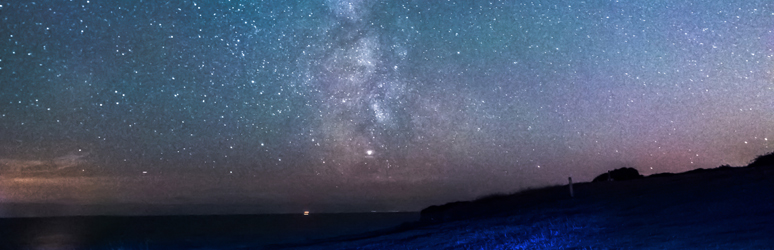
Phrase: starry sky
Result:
[365,105]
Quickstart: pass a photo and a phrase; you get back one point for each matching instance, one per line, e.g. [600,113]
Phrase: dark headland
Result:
[720,208]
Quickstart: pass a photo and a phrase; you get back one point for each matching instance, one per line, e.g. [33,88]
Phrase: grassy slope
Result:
[728,208]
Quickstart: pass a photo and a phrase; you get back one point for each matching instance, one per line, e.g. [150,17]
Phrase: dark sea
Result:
[189,232]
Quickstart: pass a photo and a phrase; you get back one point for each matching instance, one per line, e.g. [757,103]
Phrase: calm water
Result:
[221,231]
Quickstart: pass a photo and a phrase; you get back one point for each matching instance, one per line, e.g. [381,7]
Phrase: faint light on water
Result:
[306,212]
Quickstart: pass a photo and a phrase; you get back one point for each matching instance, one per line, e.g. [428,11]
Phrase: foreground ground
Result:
[729,208]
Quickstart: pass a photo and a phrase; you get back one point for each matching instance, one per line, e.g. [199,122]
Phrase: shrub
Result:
[763,161]
[620,174]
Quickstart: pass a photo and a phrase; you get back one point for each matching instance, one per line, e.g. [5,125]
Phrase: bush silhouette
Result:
[620,174]
[763,161]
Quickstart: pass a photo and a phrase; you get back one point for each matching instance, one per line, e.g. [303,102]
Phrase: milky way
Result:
[392,103]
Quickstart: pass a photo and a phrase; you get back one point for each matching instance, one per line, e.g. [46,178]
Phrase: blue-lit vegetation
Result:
[499,233]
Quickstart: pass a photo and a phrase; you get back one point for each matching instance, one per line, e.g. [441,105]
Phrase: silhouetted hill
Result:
[720,208]
[501,203]
[493,204]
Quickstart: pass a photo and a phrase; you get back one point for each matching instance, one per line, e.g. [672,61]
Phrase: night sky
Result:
[363,105]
